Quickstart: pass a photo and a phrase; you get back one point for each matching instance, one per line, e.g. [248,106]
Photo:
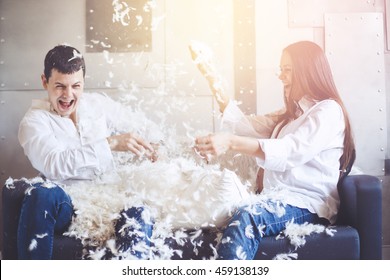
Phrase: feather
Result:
[29,190]
[9,183]
[330,231]
[215,252]
[33,245]
[41,235]
[76,54]
[235,223]
[227,239]
[286,256]
[139,20]
[261,229]
[241,254]
[296,233]
[249,232]
[98,254]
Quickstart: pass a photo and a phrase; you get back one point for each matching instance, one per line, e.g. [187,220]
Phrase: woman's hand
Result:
[219,143]
[130,142]
[213,144]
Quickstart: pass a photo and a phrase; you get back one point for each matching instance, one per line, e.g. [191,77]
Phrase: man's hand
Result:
[130,142]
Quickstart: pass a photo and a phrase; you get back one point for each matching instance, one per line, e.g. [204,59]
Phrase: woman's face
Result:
[286,71]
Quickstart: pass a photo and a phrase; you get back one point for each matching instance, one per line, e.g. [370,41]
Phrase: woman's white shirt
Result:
[303,157]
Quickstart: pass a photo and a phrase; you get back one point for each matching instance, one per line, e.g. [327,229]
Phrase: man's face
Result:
[64,91]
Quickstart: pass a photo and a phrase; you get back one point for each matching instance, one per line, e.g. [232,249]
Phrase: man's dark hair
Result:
[64,59]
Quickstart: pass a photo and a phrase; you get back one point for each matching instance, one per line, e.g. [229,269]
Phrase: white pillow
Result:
[186,194]
[179,193]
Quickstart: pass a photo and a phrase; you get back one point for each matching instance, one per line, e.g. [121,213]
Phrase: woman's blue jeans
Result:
[242,237]
[46,211]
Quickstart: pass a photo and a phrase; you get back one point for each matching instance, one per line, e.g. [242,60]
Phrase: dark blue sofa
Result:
[358,229]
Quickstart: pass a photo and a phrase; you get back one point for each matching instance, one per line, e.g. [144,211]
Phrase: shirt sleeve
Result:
[322,128]
[237,122]
[57,161]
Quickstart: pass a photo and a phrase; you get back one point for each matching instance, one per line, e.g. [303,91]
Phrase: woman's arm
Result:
[233,119]
[219,143]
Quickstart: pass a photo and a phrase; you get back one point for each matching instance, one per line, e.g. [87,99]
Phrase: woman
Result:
[303,149]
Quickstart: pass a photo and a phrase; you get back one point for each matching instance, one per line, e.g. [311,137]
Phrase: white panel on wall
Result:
[310,13]
[387,13]
[355,49]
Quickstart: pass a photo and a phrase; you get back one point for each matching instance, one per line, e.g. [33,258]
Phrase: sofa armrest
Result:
[12,199]
[361,208]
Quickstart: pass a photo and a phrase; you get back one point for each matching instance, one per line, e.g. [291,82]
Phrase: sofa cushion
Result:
[318,246]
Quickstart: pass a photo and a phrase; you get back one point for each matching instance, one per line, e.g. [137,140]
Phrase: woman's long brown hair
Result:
[312,76]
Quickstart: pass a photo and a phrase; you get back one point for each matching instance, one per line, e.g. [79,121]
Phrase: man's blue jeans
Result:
[46,211]
[242,237]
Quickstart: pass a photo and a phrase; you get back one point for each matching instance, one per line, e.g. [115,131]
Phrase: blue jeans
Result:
[132,233]
[46,211]
[242,237]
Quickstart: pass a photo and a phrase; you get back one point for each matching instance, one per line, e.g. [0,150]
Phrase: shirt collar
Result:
[42,104]
[305,104]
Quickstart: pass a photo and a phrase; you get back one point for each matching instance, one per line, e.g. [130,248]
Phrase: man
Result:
[69,136]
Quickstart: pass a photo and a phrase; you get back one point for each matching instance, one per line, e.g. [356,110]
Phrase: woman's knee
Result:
[243,217]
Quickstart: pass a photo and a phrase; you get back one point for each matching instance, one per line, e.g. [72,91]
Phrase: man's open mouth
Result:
[65,105]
